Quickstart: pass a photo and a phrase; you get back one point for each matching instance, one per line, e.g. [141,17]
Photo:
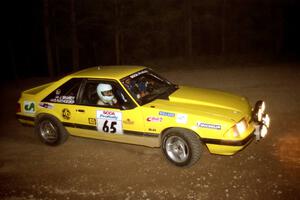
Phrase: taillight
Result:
[18,107]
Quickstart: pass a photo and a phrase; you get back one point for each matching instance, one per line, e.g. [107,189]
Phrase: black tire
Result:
[50,130]
[181,147]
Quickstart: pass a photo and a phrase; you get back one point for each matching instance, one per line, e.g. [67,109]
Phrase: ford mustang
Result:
[135,105]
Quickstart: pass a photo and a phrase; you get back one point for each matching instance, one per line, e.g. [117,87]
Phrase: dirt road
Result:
[92,169]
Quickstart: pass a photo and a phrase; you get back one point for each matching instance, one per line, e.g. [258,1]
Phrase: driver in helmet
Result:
[106,95]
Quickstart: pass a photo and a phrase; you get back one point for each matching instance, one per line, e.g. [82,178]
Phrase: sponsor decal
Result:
[181,118]
[210,126]
[29,106]
[108,115]
[66,114]
[46,105]
[154,119]
[57,92]
[167,114]
[152,129]
[92,121]
[138,73]
[128,121]
[109,121]
[64,99]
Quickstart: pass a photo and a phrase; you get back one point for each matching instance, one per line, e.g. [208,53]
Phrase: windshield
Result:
[145,86]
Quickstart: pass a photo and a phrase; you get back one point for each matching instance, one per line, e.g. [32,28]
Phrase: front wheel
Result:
[50,131]
[181,147]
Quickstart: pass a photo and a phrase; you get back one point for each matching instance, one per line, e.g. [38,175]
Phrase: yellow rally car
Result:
[133,104]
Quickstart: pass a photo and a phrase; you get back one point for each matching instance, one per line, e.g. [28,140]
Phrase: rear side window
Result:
[66,93]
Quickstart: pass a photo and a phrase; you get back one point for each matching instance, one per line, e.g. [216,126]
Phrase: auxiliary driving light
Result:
[266,120]
[259,110]
[263,130]
[259,115]
[263,106]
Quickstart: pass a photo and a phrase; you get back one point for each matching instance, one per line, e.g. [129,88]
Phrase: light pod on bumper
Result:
[259,110]
[262,119]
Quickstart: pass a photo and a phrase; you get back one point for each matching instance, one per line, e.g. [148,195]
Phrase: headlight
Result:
[237,130]
[241,126]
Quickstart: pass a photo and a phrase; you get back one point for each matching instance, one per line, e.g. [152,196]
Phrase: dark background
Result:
[246,47]
[101,32]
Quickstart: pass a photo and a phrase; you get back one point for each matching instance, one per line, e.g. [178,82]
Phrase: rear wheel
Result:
[50,131]
[181,147]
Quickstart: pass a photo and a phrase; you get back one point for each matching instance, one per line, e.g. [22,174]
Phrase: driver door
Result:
[120,122]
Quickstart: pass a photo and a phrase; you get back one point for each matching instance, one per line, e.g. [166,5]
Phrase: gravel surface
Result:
[93,169]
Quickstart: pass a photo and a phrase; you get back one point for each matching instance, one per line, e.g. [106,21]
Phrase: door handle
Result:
[79,110]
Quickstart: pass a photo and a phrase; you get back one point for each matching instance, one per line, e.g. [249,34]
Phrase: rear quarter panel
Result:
[30,100]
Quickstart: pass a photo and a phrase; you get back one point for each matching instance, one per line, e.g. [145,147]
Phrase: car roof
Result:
[109,72]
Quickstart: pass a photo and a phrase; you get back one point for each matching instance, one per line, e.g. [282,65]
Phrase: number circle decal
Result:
[109,122]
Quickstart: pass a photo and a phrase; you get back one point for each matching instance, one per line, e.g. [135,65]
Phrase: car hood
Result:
[207,102]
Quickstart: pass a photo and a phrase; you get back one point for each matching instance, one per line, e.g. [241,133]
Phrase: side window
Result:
[66,93]
[105,94]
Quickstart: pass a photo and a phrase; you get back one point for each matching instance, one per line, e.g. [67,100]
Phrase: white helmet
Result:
[102,88]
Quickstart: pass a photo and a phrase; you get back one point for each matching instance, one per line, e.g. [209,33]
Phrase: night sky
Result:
[25,48]
[146,30]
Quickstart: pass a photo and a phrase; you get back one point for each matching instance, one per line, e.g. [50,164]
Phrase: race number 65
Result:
[109,122]
[109,129]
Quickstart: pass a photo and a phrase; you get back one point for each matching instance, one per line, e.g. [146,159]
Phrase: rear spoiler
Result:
[36,90]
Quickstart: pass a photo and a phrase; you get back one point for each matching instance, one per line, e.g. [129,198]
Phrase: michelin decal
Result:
[210,126]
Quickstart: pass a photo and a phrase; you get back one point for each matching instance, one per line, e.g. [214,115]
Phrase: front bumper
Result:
[258,128]
[261,120]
